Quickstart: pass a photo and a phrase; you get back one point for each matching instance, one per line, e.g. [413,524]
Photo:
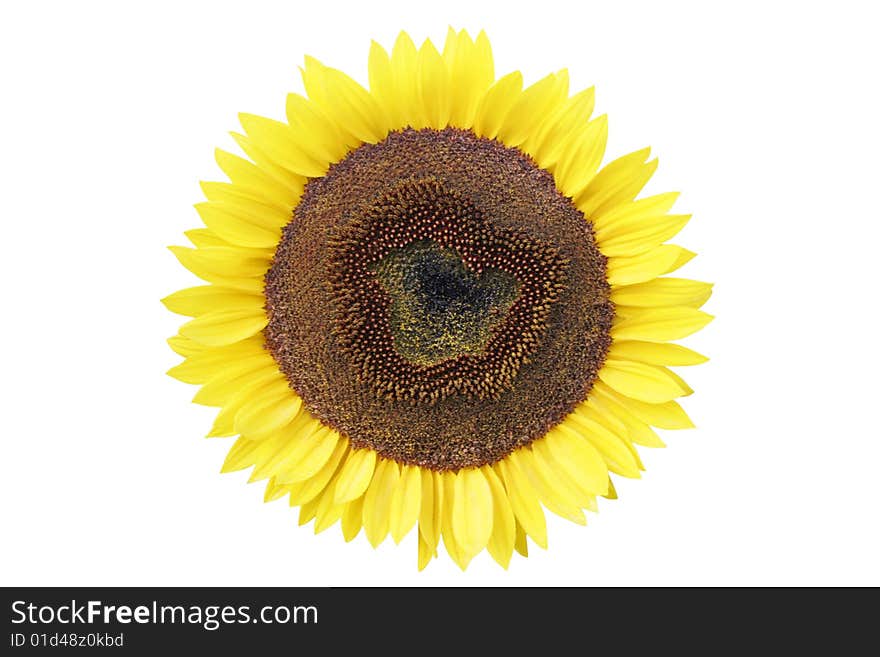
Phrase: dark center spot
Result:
[439,308]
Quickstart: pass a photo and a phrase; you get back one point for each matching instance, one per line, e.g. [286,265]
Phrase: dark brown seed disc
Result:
[436,299]
[432,300]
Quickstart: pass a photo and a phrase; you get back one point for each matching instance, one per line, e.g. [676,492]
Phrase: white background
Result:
[764,114]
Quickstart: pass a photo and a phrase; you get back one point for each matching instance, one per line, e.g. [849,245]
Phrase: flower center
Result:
[376,250]
[436,299]
[439,308]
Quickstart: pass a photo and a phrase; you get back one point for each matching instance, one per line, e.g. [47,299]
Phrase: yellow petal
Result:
[206,363]
[459,556]
[593,410]
[200,300]
[277,141]
[184,347]
[267,164]
[523,501]
[241,455]
[241,269]
[404,66]
[552,139]
[648,383]
[482,67]
[247,174]
[433,85]
[626,224]
[312,446]
[612,492]
[521,544]
[269,448]
[663,292]
[579,459]
[381,79]
[472,511]
[273,410]
[617,183]
[634,211]
[202,237]
[642,434]
[646,266]
[247,208]
[503,536]
[315,133]
[471,72]
[532,107]
[483,56]
[308,510]
[684,257]
[457,52]
[643,237]
[328,512]
[426,553]
[224,425]
[223,327]
[496,104]
[682,383]
[637,431]
[233,226]
[668,415]
[405,503]
[355,475]
[283,447]
[613,424]
[293,490]
[580,160]
[350,106]
[611,446]
[352,519]
[274,491]
[247,199]
[431,508]
[550,491]
[450,46]
[655,353]
[660,324]
[377,501]
[236,375]
[551,470]
[309,489]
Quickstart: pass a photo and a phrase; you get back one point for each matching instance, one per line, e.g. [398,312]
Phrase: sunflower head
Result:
[426,304]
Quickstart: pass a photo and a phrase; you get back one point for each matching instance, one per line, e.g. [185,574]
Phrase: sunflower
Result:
[427,305]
